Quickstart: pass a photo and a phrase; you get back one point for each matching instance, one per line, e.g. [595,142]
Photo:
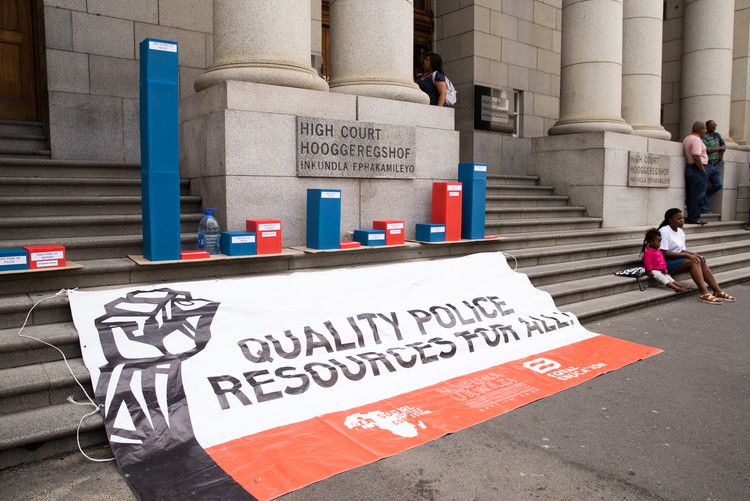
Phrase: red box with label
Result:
[447,199]
[394,230]
[45,256]
[267,235]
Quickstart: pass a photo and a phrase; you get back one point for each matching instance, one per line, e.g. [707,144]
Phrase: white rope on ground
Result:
[65,359]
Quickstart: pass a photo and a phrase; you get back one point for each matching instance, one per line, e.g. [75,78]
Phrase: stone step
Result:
[25,143]
[40,385]
[506,179]
[26,206]
[526,201]
[501,227]
[18,351]
[501,190]
[47,432]
[40,186]
[605,306]
[15,154]
[508,213]
[606,285]
[46,168]
[21,128]
[101,247]
[52,227]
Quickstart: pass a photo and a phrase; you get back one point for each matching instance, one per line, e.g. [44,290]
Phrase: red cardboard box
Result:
[446,208]
[349,244]
[45,256]
[394,230]
[194,254]
[267,235]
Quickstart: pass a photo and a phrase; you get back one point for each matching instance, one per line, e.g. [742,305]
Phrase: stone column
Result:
[707,29]
[591,71]
[641,67]
[262,41]
[739,126]
[371,49]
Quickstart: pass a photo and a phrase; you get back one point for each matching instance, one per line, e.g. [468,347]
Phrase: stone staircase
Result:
[93,208]
[23,139]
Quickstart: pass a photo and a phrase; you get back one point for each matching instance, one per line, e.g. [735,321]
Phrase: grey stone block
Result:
[101,35]
[131,127]
[135,10]
[58,29]
[114,76]
[67,71]
[92,126]
[194,15]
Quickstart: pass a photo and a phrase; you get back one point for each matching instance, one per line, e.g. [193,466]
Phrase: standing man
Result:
[696,159]
[715,147]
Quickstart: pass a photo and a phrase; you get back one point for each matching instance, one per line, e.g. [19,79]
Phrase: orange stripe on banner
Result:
[280,460]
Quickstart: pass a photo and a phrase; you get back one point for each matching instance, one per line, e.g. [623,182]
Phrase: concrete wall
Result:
[511,44]
[239,151]
[92,68]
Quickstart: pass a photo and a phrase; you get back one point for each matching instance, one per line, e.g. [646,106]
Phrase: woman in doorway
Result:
[679,259]
[432,79]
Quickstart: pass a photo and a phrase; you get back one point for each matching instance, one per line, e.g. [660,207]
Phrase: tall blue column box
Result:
[160,167]
[473,177]
[323,219]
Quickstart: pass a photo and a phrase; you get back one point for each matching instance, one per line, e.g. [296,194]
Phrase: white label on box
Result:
[269,226]
[437,229]
[9,260]
[394,232]
[163,46]
[330,194]
[480,168]
[454,194]
[395,226]
[47,264]
[244,239]
[377,236]
[43,256]
[268,234]
[454,187]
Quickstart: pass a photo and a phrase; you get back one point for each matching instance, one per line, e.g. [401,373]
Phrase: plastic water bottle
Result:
[209,233]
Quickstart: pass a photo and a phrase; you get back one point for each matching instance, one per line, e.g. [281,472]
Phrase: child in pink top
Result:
[655,264]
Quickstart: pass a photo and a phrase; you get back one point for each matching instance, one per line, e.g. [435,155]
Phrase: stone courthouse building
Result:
[578,92]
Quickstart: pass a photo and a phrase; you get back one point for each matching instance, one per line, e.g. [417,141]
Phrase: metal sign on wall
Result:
[648,170]
[494,109]
[340,148]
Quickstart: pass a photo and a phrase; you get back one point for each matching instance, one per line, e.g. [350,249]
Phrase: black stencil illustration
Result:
[146,336]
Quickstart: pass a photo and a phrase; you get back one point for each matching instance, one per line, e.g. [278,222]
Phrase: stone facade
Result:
[577,67]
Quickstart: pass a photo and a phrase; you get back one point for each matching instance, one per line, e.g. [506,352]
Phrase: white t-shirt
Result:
[673,241]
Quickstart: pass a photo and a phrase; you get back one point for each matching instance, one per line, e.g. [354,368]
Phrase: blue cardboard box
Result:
[323,219]
[473,177]
[238,243]
[370,238]
[430,232]
[14,259]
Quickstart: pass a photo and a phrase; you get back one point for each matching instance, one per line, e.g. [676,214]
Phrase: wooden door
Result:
[18,93]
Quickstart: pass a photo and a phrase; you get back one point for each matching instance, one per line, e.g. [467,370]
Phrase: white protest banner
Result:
[258,386]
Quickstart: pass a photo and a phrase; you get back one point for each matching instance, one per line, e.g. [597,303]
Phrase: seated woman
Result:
[679,259]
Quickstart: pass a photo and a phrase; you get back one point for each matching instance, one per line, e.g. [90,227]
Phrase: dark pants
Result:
[695,190]
[714,176]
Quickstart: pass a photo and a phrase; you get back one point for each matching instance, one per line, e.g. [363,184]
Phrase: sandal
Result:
[724,296]
[709,298]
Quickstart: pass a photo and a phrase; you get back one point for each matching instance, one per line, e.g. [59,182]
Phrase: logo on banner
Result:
[395,421]
[542,365]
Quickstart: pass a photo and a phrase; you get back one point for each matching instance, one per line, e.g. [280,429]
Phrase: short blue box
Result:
[473,177]
[14,259]
[238,243]
[370,238]
[323,219]
[427,232]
